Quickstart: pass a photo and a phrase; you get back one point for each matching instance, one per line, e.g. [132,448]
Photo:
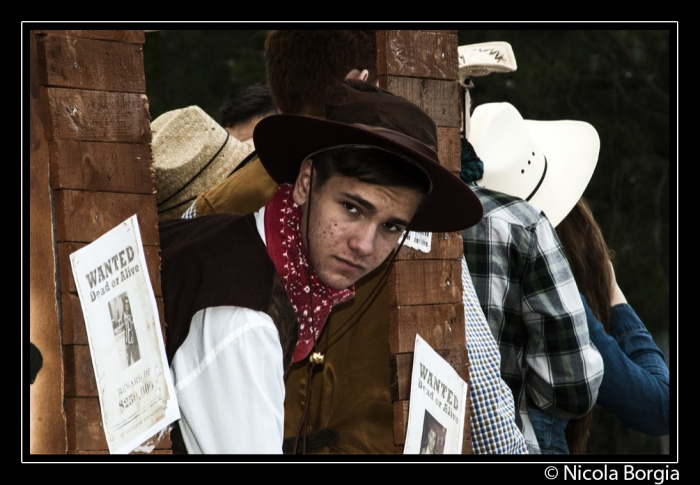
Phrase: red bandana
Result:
[285,248]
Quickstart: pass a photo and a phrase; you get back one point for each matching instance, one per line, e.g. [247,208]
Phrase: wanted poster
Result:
[437,406]
[136,392]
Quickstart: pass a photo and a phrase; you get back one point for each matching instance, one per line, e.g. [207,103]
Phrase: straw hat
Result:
[547,163]
[191,153]
[363,115]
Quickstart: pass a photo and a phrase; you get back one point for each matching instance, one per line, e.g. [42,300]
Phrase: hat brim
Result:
[547,163]
[571,148]
[283,142]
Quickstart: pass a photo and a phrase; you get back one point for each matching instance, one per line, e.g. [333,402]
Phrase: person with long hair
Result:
[635,385]
[543,167]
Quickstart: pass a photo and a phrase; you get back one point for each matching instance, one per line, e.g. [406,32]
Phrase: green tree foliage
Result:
[200,67]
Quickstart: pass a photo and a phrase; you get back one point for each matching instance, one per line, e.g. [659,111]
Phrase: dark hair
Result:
[245,104]
[588,256]
[303,66]
[369,165]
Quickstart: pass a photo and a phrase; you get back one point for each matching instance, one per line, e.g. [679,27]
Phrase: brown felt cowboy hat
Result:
[361,114]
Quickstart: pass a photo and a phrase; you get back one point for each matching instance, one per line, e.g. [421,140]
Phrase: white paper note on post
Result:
[137,396]
[438,403]
[420,241]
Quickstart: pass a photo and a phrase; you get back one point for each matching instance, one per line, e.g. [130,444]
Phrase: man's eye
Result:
[392,227]
[350,208]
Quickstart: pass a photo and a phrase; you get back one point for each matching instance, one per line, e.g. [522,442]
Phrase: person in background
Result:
[243,109]
[520,272]
[635,385]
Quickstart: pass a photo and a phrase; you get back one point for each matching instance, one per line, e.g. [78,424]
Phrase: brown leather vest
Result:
[220,260]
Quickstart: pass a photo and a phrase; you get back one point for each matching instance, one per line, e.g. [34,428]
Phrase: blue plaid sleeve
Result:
[492,413]
[191,212]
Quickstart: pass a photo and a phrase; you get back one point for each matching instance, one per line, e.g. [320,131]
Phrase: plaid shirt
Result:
[191,211]
[533,307]
[492,411]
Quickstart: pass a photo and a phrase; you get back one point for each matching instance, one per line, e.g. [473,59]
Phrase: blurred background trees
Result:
[617,80]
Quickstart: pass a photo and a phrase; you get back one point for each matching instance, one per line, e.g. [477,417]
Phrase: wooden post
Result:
[91,157]
[425,290]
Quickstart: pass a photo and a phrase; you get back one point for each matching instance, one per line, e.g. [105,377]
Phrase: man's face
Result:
[353,225]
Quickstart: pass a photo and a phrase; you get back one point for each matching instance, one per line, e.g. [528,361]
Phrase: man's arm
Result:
[563,371]
[492,415]
[228,377]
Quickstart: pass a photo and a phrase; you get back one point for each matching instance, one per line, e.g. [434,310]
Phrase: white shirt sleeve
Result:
[229,382]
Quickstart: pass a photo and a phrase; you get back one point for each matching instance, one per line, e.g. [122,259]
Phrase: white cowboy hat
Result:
[547,163]
[484,58]
[191,153]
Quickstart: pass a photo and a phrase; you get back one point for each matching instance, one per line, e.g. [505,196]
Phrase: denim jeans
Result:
[549,431]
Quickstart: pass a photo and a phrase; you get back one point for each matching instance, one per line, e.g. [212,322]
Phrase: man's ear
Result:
[357,74]
[302,186]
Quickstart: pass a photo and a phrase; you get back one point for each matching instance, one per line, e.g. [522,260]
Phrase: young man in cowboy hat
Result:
[245,296]
[349,407]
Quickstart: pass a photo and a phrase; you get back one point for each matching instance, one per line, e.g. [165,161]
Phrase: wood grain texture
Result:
[450,148]
[441,326]
[85,431]
[400,421]
[73,62]
[424,290]
[401,367]
[438,98]
[419,53]
[80,376]
[82,115]
[102,167]
[425,282]
[128,36]
[85,216]
[151,253]
[443,245]
[73,323]
[47,426]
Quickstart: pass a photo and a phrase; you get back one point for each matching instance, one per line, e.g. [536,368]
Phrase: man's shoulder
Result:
[246,190]
[510,209]
[210,223]
[208,235]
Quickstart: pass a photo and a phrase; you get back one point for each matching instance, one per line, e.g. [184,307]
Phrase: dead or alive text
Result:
[439,392]
[117,266]
[111,266]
